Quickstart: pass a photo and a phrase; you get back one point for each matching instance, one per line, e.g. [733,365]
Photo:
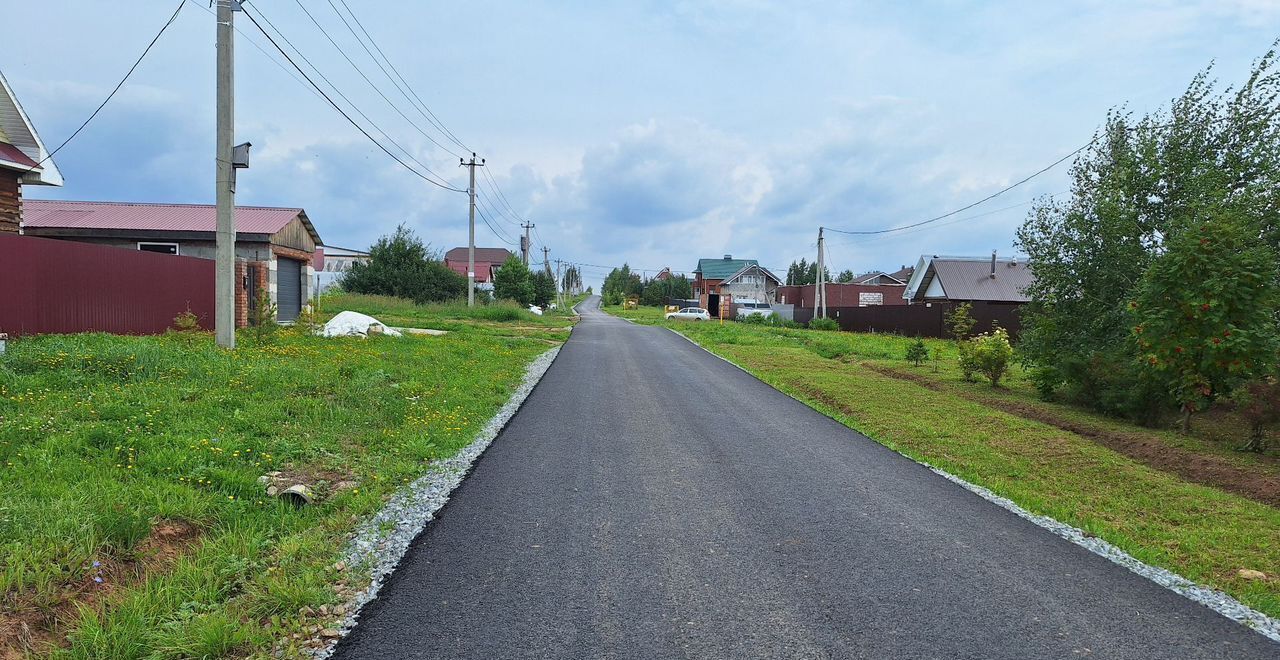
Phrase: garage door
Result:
[288,289]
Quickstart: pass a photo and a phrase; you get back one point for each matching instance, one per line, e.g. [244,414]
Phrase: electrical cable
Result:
[362,74]
[435,121]
[344,113]
[112,95]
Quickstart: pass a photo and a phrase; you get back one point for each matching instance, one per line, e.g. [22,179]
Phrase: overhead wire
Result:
[114,90]
[342,112]
[364,76]
[423,108]
[274,60]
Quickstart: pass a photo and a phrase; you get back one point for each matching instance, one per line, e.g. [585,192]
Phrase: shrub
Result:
[1259,404]
[960,321]
[754,319]
[308,322]
[917,352]
[824,324]
[990,354]
[263,317]
[402,265]
[186,322]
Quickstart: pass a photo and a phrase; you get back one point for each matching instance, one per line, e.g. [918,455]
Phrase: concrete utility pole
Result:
[225,237]
[546,264]
[821,289]
[471,240]
[525,244]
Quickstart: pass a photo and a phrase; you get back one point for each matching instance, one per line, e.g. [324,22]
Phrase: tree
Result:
[802,272]
[845,277]
[657,292]
[917,352]
[1139,191]
[402,265]
[1205,313]
[513,282]
[571,281]
[544,288]
[619,284]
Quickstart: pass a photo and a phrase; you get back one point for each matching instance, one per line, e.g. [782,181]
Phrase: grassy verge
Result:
[132,523]
[931,414]
[495,318]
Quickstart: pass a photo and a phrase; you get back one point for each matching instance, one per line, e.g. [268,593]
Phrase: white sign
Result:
[865,299]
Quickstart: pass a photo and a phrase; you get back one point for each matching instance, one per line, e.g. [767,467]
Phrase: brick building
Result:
[274,246]
[717,281]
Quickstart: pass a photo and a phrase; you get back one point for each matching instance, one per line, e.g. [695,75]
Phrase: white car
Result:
[753,308]
[690,314]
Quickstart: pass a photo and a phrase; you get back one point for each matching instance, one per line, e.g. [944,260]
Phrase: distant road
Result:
[653,501]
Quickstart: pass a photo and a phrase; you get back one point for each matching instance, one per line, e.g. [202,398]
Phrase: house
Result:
[488,261]
[274,246]
[737,279]
[23,159]
[331,262]
[878,277]
[969,279]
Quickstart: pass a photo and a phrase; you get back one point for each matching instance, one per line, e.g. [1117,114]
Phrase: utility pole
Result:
[546,264]
[821,290]
[224,315]
[471,239]
[525,244]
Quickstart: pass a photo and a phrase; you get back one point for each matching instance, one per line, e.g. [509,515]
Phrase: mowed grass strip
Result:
[132,523]
[1202,533]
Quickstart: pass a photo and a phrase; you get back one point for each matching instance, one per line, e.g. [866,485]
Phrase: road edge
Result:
[1218,601]
[381,541]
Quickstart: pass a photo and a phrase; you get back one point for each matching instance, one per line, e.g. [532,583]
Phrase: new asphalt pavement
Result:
[652,501]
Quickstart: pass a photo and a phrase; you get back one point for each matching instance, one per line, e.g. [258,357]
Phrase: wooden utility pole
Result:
[471,229]
[821,290]
[224,315]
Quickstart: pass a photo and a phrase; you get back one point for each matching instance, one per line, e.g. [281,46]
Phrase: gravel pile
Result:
[1212,598]
[382,541]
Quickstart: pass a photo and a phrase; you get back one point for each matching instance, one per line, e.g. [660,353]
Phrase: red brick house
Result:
[23,159]
[488,260]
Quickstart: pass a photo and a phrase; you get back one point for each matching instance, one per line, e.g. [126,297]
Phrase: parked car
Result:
[690,314]
[753,308]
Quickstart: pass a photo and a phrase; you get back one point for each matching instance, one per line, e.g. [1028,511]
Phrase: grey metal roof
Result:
[970,279]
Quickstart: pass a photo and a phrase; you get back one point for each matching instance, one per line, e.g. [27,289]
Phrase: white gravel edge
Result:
[382,541]
[1215,600]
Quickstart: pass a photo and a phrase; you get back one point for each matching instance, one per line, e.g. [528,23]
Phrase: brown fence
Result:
[53,286]
[918,320]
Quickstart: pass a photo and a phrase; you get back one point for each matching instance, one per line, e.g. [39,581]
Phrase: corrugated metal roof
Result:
[719,269]
[155,217]
[12,154]
[970,279]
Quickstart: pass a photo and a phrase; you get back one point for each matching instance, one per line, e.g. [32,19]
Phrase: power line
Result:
[255,44]
[422,106]
[498,189]
[361,72]
[344,113]
[112,95]
[489,224]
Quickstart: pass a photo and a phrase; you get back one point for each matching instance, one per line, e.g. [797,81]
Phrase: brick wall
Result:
[10,202]
[242,292]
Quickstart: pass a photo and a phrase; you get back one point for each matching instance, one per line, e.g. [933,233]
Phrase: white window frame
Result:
[177,250]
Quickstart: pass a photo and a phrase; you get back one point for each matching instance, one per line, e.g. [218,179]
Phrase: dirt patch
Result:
[27,628]
[1206,469]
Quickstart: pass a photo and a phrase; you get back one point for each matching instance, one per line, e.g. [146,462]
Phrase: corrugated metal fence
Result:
[53,286]
[919,320]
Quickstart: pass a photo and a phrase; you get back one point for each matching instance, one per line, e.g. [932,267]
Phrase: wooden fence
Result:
[54,286]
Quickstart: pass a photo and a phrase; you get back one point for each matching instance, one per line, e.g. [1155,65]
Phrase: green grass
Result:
[1200,532]
[503,318]
[107,441]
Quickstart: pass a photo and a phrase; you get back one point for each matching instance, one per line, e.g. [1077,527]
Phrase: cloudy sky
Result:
[648,132]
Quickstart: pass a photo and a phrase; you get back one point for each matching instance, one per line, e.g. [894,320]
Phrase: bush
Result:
[990,354]
[960,321]
[917,352]
[401,265]
[1259,403]
[824,324]
[263,317]
[754,319]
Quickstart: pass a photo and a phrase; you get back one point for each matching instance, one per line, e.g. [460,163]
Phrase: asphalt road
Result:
[652,501]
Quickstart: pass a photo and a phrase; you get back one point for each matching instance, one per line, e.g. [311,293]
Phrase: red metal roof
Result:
[154,217]
[14,155]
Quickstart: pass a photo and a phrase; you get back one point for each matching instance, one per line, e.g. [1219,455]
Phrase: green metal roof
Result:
[719,269]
